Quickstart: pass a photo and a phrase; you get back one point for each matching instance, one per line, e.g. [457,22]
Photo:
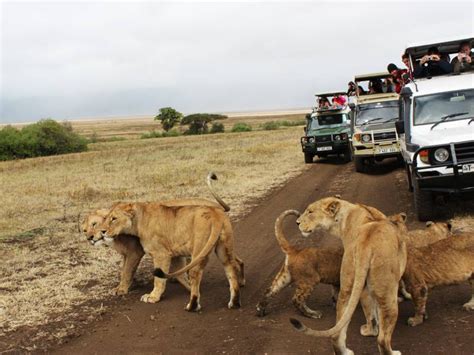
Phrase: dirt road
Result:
[135,327]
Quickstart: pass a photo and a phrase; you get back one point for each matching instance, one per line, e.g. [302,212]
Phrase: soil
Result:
[131,326]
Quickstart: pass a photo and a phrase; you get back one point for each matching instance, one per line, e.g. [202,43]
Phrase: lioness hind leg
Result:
[387,311]
[302,292]
[195,277]
[370,329]
[240,269]
[226,257]
[469,306]
[281,280]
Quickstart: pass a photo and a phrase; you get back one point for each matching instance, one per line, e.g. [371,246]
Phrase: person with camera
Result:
[463,61]
[397,76]
[432,64]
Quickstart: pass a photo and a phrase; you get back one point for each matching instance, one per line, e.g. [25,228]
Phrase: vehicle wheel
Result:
[359,164]
[348,155]
[308,158]
[424,202]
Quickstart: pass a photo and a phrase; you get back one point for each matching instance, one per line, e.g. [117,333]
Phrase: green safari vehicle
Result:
[328,128]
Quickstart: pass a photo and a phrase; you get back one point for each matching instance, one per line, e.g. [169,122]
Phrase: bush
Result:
[241,127]
[198,122]
[172,133]
[155,134]
[292,123]
[270,125]
[217,127]
[47,137]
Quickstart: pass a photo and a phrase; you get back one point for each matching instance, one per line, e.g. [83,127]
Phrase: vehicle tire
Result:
[424,202]
[348,155]
[359,164]
[308,157]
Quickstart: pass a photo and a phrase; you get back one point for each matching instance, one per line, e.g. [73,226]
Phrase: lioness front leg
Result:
[281,280]
[302,292]
[159,261]
[469,306]
[419,295]
[132,253]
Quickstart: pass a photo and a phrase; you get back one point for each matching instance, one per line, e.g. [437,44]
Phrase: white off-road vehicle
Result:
[374,137]
[437,130]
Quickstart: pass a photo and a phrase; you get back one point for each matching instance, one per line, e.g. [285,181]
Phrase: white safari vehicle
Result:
[437,130]
[374,137]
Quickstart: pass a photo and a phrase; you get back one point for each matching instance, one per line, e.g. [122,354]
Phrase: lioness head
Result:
[439,228]
[118,221]
[399,220]
[90,225]
[320,215]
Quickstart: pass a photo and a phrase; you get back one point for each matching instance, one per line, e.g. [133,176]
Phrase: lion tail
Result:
[359,283]
[211,242]
[280,236]
[212,176]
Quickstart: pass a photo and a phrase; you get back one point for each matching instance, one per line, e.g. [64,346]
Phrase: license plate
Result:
[319,149]
[468,168]
[385,150]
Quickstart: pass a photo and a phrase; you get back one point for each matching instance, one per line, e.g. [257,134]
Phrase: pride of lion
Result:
[379,258]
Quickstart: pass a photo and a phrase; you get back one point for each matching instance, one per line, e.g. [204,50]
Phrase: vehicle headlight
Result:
[366,138]
[343,136]
[441,155]
[337,137]
[312,139]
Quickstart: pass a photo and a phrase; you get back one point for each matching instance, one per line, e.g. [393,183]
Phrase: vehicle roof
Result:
[365,77]
[365,99]
[331,93]
[442,83]
[446,46]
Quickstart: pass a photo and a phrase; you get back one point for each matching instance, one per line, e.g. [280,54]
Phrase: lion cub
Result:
[305,268]
[446,262]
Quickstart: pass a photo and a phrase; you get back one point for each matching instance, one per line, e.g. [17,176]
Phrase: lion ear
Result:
[449,225]
[337,196]
[403,216]
[129,210]
[429,223]
[333,208]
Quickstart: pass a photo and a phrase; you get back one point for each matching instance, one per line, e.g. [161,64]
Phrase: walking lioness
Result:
[166,231]
[305,267]
[373,263]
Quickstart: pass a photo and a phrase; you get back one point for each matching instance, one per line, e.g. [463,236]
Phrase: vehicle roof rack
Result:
[332,93]
[365,77]
[447,46]
[332,108]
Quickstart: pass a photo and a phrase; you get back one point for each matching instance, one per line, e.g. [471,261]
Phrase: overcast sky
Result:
[72,60]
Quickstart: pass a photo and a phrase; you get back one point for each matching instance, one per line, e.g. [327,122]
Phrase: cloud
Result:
[67,59]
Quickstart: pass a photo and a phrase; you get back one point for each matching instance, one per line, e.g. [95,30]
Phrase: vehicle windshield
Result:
[446,106]
[380,112]
[327,121]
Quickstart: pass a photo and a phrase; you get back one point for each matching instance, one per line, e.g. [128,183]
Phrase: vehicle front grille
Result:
[385,136]
[326,138]
[464,152]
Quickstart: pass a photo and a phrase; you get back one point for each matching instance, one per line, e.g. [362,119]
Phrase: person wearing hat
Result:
[397,76]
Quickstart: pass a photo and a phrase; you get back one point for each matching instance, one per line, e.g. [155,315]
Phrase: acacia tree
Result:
[168,117]
[198,122]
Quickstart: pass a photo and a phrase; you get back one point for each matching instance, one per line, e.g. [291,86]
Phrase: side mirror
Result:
[400,127]
[352,106]
[305,129]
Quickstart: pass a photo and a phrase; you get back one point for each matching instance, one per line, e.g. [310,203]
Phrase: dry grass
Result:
[48,268]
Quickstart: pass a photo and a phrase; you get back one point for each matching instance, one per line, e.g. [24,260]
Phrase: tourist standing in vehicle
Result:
[463,61]
[397,75]
[432,64]
[338,100]
[406,61]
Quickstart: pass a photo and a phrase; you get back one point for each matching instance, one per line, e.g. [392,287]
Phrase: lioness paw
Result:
[414,321]
[149,298]
[368,331]
[119,291]
[469,306]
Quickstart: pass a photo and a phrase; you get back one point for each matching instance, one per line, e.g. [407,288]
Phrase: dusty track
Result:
[135,327]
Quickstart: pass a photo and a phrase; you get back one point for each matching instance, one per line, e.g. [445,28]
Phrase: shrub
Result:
[172,133]
[47,137]
[198,122]
[270,125]
[241,127]
[151,134]
[292,123]
[217,127]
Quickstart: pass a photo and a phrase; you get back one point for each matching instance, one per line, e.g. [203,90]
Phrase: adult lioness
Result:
[448,261]
[129,246]
[373,263]
[166,231]
[305,267]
